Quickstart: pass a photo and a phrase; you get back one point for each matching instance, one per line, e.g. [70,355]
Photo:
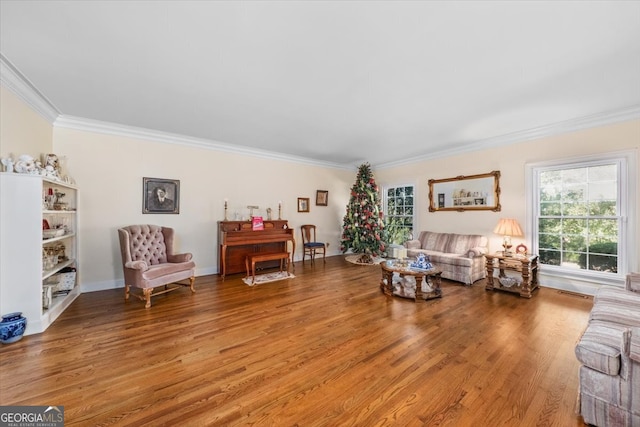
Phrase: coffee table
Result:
[402,268]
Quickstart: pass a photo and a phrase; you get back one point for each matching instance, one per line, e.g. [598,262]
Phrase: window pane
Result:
[571,176]
[550,241]
[550,208]
[550,225]
[603,190]
[603,245]
[574,243]
[603,208]
[550,257]
[578,222]
[574,209]
[574,226]
[604,227]
[603,173]
[574,260]
[603,263]
[574,193]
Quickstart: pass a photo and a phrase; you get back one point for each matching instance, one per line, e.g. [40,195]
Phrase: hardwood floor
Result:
[326,348]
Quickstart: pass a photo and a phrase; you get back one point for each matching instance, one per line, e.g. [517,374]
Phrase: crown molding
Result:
[89,125]
[16,82]
[580,123]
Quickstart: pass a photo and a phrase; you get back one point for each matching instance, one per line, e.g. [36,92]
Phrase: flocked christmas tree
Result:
[363,226]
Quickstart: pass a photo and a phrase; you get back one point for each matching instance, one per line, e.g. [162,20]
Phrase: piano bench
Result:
[252,259]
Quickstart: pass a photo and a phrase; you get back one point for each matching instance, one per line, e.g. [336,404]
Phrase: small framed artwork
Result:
[322,198]
[521,250]
[160,196]
[303,204]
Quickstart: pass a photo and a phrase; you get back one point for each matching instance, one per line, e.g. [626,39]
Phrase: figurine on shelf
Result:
[51,168]
[8,164]
[25,164]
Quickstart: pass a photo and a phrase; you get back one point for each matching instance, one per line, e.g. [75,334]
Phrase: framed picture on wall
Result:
[322,198]
[160,196]
[303,204]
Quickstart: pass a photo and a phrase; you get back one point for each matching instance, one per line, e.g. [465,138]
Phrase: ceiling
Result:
[334,82]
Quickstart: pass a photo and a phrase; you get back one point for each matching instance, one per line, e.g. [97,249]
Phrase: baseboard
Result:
[569,284]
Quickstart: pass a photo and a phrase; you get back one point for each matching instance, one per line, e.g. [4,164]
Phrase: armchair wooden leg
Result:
[192,280]
[147,295]
[127,290]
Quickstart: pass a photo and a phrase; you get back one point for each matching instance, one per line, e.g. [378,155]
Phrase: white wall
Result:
[109,169]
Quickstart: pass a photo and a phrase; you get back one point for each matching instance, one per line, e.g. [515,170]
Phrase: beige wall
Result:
[510,160]
[109,170]
[22,130]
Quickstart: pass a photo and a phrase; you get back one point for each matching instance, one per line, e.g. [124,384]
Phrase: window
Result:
[580,215]
[399,209]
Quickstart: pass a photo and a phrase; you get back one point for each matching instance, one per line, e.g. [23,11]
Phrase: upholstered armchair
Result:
[148,261]
[609,353]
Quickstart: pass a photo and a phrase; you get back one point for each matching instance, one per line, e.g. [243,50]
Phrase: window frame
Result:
[627,229]
[385,207]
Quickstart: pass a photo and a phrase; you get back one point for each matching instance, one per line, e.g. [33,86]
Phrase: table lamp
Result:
[508,227]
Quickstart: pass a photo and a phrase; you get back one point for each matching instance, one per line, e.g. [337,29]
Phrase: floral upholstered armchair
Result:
[148,261]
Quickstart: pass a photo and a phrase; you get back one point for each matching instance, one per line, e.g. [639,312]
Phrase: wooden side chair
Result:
[148,261]
[309,244]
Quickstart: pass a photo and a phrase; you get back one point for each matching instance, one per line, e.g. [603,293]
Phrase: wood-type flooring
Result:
[326,348]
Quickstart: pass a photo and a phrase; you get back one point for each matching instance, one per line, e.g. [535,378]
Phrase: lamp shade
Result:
[508,227]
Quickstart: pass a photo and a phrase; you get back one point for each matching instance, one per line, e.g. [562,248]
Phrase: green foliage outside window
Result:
[399,214]
[578,218]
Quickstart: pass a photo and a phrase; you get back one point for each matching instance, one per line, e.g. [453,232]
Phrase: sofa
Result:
[609,354]
[459,256]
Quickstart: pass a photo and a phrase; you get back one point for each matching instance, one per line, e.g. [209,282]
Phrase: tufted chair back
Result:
[148,260]
[146,243]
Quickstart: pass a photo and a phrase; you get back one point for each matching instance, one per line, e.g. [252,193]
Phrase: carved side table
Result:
[526,265]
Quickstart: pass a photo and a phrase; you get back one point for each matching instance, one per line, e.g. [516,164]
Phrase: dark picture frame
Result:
[303,204]
[160,196]
[322,198]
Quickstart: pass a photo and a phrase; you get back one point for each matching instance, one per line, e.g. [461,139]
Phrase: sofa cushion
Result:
[616,306]
[451,259]
[461,243]
[599,348]
[432,241]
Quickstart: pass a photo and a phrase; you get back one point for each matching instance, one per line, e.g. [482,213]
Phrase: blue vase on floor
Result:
[12,327]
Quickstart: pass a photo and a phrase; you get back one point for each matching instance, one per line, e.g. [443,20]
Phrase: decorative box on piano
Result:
[237,239]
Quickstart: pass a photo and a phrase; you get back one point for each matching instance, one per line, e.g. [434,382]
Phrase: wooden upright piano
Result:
[237,239]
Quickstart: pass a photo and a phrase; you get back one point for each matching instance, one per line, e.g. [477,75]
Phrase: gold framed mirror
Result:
[465,193]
